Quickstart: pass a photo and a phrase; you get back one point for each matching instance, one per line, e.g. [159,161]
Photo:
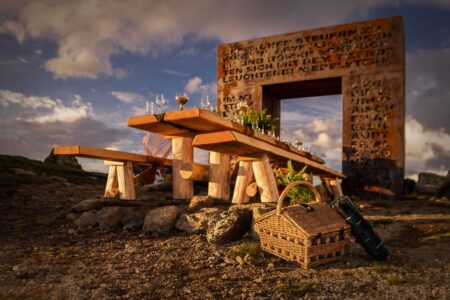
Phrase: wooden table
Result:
[206,130]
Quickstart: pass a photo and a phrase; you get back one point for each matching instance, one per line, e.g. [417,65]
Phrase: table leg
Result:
[265,179]
[243,179]
[182,153]
[112,185]
[126,181]
[219,176]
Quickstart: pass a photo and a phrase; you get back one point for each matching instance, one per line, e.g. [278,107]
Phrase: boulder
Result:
[88,204]
[197,222]
[65,160]
[430,183]
[133,217]
[199,202]
[408,185]
[157,187]
[231,225]
[258,211]
[109,217]
[86,219]
[161,219]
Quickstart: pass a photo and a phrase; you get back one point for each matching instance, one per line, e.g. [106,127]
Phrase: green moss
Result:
[381,268]
[438,236]
[396,279]
[296,289]
[243,249]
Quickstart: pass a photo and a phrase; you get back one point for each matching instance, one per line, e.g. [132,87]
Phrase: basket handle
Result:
[290,186]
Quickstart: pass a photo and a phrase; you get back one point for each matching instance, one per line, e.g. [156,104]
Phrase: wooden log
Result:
[219,176]
[252,189]
[243,179]
[326,192]
[265,179]
[106,154]
[182,153]
[194,172]
[234,143]
[336,187]
[112,185]
[126,181]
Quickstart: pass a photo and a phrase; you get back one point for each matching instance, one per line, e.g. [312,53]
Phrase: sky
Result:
[72,72]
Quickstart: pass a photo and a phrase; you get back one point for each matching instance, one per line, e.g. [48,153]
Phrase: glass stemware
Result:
[181,100]
[160,101]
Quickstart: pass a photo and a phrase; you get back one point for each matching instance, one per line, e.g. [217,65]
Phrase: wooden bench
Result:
[224,138]
[120,180]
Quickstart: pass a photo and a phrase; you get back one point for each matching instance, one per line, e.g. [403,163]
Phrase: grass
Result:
[296,289]
[381,268]
[243,249]
[8,178]
[396,279]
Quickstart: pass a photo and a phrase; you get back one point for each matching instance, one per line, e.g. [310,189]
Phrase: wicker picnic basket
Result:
[310,234]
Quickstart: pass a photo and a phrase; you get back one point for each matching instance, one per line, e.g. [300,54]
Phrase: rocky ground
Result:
[45,256]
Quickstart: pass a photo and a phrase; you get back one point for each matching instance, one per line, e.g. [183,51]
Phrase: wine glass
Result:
[182,100]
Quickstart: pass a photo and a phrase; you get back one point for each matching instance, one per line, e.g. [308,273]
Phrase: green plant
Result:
[243,249]
[264,120]
[298,194]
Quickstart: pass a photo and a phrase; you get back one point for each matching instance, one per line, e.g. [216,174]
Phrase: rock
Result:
[23,271]
[430,183]
[225,277]
[109,217]
[231,225]
[160,187]
[22,172]
[197,222]
[258,211]
[270,265]
[201,201]
[86,219]
[228,260]
[72,217]
[88,204]
[239,260]
[408,186]
[161,219]
[259,280]
[133,217]
[65,160]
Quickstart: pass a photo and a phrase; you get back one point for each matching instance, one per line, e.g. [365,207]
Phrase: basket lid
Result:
[319,219]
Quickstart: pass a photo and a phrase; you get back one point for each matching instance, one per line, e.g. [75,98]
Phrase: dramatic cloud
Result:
[90,32]
[428,88]
[31,125]
[426,150]
[128,97]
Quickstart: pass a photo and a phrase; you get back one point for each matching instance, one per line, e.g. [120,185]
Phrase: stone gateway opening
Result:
[362,61]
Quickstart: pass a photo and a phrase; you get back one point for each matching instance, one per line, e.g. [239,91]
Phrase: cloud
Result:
[175,73]
[195,86]
[32,125]
[128,97]
[426,150]
[428,88]
[90,32]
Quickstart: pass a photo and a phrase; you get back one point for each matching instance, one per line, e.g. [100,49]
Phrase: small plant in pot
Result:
[298,194]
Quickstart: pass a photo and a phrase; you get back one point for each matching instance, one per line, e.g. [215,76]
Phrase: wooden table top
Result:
[200,122]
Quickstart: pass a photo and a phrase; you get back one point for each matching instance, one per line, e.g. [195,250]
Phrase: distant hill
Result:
[17,170]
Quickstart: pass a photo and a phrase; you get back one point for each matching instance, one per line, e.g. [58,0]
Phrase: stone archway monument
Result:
[362,61]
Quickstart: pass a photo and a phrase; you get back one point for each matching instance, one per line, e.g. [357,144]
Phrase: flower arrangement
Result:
[298,194]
